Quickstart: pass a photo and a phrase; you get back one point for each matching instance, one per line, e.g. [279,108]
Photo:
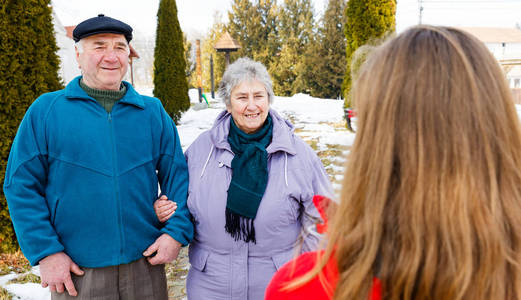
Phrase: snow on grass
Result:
[28,291]
[193,123]
[313,118]
[309,109]
[24,291]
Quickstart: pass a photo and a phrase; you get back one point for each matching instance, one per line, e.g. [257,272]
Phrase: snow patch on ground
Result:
[309,109]
[25,291]
[28,291]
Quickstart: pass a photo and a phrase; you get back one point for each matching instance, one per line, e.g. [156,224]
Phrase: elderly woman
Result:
[252,181]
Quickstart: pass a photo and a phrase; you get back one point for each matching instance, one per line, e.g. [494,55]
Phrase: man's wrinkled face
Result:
[103,59]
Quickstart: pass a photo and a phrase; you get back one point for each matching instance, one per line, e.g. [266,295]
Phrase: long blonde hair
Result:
[431,198]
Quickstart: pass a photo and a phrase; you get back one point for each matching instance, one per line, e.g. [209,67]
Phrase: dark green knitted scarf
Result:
[249,179]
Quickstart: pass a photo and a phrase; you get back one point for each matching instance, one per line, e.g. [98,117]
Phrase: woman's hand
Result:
[164,208]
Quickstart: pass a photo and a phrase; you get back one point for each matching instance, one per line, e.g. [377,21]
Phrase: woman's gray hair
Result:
[244,69]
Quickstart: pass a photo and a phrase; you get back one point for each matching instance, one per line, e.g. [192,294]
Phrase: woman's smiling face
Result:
[249,105]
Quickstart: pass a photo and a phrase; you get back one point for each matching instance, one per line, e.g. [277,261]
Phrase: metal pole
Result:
[420,8]
[198,69]
[211,75]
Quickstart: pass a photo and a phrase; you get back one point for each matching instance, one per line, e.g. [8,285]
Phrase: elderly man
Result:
[83,174]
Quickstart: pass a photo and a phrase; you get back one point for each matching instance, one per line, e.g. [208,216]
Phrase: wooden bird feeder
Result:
[227,44]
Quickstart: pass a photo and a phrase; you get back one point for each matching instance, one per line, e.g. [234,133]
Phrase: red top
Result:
[322,205]
[313,289]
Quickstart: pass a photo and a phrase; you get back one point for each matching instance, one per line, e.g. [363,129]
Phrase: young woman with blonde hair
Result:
[431,199]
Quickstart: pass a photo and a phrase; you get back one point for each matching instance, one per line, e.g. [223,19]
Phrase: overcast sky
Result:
[197,16]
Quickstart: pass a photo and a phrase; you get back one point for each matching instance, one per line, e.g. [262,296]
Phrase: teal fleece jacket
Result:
[83,181]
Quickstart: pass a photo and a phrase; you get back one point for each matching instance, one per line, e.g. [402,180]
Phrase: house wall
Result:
[505,50]
[502,51]
[68,65]
[516,93]
[514,77]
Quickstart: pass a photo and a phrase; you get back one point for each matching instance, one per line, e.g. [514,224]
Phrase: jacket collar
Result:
[283,139]
[73,91]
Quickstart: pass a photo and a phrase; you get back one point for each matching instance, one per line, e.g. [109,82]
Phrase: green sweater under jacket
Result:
[107,98]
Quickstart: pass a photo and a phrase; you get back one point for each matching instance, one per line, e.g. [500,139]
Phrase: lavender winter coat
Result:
[222,268]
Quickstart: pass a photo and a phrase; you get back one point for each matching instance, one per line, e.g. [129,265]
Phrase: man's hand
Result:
[166,249]
[164,208]
[55,272]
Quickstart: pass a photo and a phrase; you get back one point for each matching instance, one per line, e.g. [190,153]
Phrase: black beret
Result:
[101,24]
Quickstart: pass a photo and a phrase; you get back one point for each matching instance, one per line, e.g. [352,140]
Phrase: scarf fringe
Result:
[240,227]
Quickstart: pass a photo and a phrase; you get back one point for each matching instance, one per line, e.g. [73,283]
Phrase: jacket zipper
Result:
[115,181]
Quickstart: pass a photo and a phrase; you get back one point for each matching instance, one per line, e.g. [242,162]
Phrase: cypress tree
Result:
[366,20]
[170,83]
[28,68]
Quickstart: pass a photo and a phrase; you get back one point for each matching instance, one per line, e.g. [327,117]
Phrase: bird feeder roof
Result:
[227,43]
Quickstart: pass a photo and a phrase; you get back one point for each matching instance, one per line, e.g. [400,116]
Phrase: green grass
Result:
[325,162]
[30,277]
[330,153]
[4,270]
[313,143]
[5,295]
[176,276]
[13,262]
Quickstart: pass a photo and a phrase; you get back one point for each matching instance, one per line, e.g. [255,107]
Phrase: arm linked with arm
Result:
[173,179]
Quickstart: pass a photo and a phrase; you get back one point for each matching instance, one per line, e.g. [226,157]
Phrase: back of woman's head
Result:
[431,200]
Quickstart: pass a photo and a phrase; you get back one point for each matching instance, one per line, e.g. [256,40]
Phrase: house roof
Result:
[69,29]
[226,42]
[495,35]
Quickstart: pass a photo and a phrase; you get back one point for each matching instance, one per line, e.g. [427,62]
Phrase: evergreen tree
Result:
[313,67]
[284,69]
[296,34]
[324,61]
[242,18]
[254,26]
[28,68]
[266,32]
[170,84]
[297,21]
[366,20]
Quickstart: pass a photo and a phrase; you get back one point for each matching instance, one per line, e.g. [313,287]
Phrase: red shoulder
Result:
[296,268]
[376,290]
[314,289]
